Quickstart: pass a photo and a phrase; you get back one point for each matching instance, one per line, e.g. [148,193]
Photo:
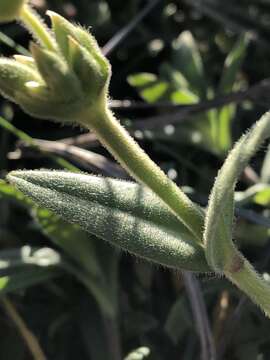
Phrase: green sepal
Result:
[23,85]
[63,30]
[87,70]
[125,214]
[13,79]
[26,60]
[57,75]
[41,104]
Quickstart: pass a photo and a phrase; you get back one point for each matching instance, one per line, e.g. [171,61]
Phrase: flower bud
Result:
[83,54]
[24,85]
[13,77]
[59,78]
[63,82]
[63,29]
[10,9]
[87,69]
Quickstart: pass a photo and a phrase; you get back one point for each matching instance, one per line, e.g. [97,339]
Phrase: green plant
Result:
[183,81]
[67,78]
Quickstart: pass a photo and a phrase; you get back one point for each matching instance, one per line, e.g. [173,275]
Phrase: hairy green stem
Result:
[129,154]
[251,283]
[36,26]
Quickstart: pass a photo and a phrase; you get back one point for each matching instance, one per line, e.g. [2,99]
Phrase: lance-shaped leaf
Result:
[125,214]
[220,207]
[87,258]
[221,252]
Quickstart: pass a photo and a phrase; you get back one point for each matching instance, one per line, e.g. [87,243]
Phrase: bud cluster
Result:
[58,82]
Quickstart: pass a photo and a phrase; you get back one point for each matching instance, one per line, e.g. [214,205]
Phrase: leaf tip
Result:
[13,176]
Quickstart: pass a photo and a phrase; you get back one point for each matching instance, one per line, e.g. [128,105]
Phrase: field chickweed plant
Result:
[66,80]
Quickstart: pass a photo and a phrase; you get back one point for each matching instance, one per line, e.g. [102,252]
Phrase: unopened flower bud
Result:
[59,78]
[83,54]
[13,78]
[87,69]
[62,82]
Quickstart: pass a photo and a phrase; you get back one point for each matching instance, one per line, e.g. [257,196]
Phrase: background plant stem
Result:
[208,350]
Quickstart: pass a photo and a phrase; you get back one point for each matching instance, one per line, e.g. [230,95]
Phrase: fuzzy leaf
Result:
[125,214]
[218,224]
[79,247]
[221,252]
[99,280]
